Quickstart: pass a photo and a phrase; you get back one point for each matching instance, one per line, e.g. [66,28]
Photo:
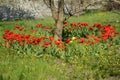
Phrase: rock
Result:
[24,9]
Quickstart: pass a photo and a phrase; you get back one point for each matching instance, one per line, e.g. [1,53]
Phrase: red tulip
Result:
[82,40]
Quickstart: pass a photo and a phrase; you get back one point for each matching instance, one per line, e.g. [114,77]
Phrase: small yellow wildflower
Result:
[63,64]
[74,38]
[71,41]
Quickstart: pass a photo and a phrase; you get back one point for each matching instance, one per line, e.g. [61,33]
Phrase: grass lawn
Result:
[106,66]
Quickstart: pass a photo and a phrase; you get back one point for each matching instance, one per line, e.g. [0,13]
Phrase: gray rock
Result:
[23,9]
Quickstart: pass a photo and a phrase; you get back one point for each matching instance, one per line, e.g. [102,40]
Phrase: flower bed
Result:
[39,38]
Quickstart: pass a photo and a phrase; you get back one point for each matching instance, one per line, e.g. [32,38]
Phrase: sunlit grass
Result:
[27,67]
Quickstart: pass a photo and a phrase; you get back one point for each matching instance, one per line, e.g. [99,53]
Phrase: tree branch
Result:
[116,1]
[60,8]
[53,9]
[69,12]
[47,3]
[85,8]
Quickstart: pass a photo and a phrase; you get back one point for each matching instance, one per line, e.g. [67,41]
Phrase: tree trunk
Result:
[58,30]
[53,10]
[59,21]
[57,14]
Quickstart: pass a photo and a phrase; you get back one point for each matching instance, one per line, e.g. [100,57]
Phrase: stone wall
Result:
[18,9]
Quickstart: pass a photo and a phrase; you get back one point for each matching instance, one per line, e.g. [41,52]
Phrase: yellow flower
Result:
[63,64]
[74,38]
[71,41]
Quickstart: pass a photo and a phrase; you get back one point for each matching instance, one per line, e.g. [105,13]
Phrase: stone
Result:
[24,9]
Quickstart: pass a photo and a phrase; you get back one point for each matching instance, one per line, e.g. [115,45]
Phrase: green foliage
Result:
[96,66]
[76,62]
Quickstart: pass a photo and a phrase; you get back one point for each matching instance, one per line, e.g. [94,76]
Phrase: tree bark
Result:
[53,10]
[59,21]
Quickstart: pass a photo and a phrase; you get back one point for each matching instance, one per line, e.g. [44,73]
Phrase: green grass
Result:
[15,66]
[104,17]
[27,67]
